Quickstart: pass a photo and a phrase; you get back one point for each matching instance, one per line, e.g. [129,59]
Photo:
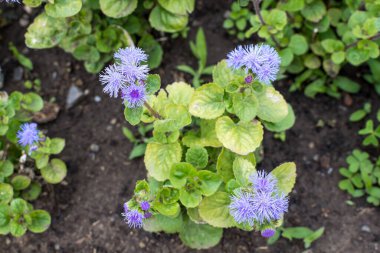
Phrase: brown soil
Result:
[86,208]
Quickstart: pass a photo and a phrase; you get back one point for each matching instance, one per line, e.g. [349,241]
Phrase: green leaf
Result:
[137,151]
[243,169]
[314,11]
[286,57]
[357,115]
[296,232]
[6,168]
[159,159]
[223,75]
[63,8]
[314,236]
[40,221]
[180,93]
[153,83]
[20,182]
[272,106]
[22,59]
[312,61]
[286,176]
[153,48]
[32,3]
[6,193]
[180,172]
[176,117]
[284,124]
[241,138]
[133,115]
[5,215]
[165,21]
[292,5]
[215,210]
[86,53]
[54,172]
[159,223]
[178,7]
[187,69]
[197,156]
[332,45]
[32,102]
[207,101]
[298,44]
[19,206]
[42,159]
[346,84]
[224,165]
[245,106]
[209,182]
[190,198]
[117,8]
[17,229]
[32,192]
[338,57]
[200,236]
[356,56]
[57,145]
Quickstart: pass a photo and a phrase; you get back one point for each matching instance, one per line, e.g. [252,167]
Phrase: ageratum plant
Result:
[316,39]
[92,29]
[201,162]
[25,165]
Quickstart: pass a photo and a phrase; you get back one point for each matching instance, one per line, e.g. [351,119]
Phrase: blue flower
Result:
[235,58]
[28,135]
[241,207]
[131,55]
[145,205]
[262,60]
[261,181]
[269,206]
[112,80]
[268,232]
[134,218]
[134,95]
[133,73]
[10,1]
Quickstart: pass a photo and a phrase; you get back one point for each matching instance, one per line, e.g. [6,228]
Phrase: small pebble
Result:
[57,247]
[311,145]
[113,121]
[97,99]
[73,96]
[94,148]
[141,245]
[330,170]
[18,72]
[365,228]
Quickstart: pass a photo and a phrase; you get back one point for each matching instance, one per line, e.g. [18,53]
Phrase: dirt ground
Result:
[86,208]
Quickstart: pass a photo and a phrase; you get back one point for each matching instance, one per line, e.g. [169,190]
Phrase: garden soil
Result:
[86,208]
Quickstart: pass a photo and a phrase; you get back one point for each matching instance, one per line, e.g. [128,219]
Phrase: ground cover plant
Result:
[25,165]
[201,163]
[316,39]
[91,30]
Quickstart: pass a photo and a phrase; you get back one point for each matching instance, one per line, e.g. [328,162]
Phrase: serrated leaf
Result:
[286,177]
[207,101]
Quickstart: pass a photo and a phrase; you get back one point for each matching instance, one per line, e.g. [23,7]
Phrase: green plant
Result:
[201,161]
[22,59]
[306,234]
[373,134]
[361,113]
[139,140]
[92,29]
[199,50]
[362,177]
[24,169]
[317,39]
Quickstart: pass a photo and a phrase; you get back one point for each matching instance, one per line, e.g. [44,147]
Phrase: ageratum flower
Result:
[241,207]
[145,205]
[268,232]
[10,1]
[134,219]
[131,55]
[28,135]
[112,80]
[261,181]
[269,206]
[262,60]
[134,95]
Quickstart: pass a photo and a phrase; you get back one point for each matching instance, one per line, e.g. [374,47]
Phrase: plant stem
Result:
[374,37]
[152,111]
[256,5]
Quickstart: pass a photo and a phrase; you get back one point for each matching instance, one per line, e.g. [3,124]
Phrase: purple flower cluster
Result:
[135,218]
[262,203]
[10,1]
[28,135]
[262,60]
[127,76]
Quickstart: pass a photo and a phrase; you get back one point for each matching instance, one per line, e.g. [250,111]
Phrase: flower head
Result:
[262,181]
[269,206]
[10,1]
[145,205]
[134,95]
[112,80]
[262,60]
[134,218]
[133,73]
[235,58]
[241,207]
[269,232]
[28,135]
[131,55]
